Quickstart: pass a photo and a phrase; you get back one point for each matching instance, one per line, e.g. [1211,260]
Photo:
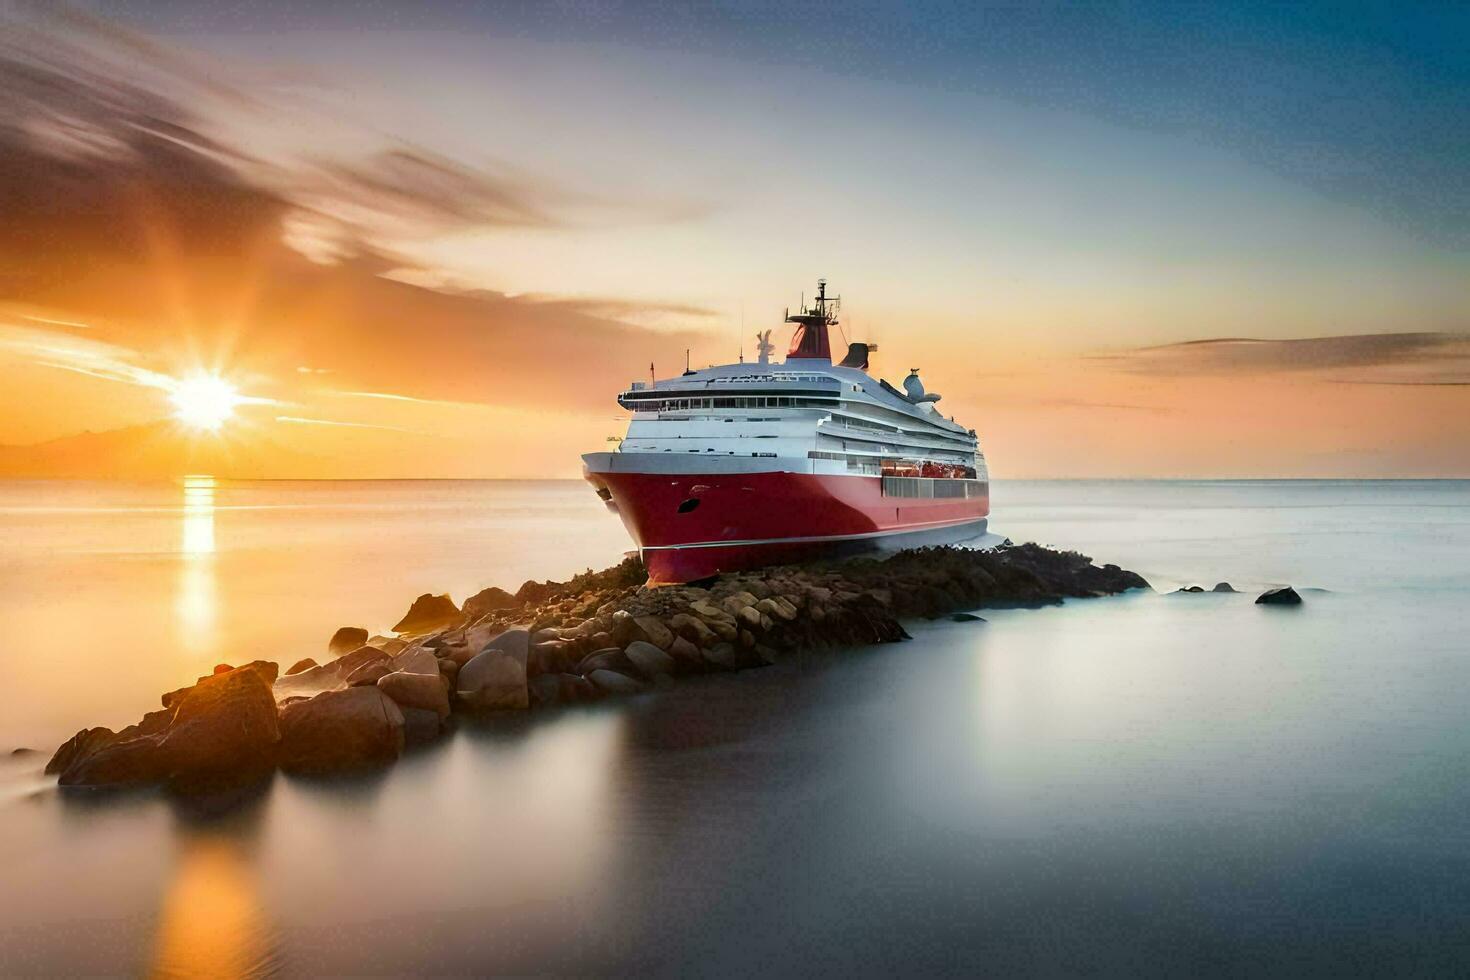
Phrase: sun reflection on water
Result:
[212,923]
[196,601]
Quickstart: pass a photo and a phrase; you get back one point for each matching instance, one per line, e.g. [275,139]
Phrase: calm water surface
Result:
[1145,784]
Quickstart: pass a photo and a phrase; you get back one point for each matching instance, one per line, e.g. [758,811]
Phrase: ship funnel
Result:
[811,340]
[857,356]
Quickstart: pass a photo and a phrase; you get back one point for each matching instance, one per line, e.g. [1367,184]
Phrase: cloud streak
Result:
[1426,358]
[298,420]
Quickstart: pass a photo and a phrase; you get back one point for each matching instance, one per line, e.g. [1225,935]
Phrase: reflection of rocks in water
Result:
[211,923]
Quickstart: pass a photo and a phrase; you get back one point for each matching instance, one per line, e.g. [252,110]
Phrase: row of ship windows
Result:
[926,487]
[685,404]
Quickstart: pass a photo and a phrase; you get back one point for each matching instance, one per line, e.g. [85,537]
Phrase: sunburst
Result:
[204,401]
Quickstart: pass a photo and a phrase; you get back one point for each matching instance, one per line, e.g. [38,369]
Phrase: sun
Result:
[204,401]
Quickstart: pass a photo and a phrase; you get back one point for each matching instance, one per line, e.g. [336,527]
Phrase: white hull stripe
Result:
[907,529]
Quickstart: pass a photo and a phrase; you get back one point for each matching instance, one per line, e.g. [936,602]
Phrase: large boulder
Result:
[685,652]
[305,663]
[488,601]
[80,745]
[654,631]
[368,674]
[777,607]
[415,690]
[226,724]
[615,683]
[1223,587]
[553,657]
[362,655]
[496,676]
[428,612]
[608,658]
[649,659]
[693,629]
[420,726]
[1284,596]
[223,727]
[347,639]
[415,660]
[341,730]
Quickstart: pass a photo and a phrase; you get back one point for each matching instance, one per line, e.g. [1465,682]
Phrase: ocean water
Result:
[1146,784]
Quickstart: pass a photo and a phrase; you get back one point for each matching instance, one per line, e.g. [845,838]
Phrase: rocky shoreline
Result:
[597,635]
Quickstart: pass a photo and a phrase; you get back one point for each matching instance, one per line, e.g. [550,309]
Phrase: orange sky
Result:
[399,303]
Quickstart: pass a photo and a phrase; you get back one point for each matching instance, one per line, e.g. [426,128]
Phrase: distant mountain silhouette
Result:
[156,450]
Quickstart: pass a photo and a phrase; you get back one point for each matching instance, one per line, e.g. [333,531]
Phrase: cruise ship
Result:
[742,465]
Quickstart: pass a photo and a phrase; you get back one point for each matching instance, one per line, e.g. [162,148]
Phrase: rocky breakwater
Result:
[597,635]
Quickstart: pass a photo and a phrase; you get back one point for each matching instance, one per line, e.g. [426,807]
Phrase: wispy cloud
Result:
[93,358]
[1429,358]
[48,321]
[387,396]
[297,420]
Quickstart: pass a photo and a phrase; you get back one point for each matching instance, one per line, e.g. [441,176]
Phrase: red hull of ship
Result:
[746,520]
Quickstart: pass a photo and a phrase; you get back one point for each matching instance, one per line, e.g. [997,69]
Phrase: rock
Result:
[624,629]
[649,659]
[420,726]
[615,683]
[428,612]
[654,631]
[964,617]
[724,655]
[724,629]
[222,669]
[533,591]
[416,690]
[685,652]
[347,639]
[707,610]
[416,660]
[733,604]
[82,744]
[463,655]
[306,663]
[390,645]
[1223,587]
[496,676]
[488,601]
[1190,588]
[368,674]
[1284,596]
[341,730]
[692,629]
[607,658]
[555,657]
[224,726]
[22,752]
[777,607]
[362,655]
[544,690]
[750,616]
